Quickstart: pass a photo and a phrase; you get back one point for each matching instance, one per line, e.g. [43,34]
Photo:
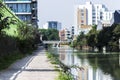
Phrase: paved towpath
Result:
[34,67]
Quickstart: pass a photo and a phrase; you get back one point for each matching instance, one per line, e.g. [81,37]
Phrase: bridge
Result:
[54,42]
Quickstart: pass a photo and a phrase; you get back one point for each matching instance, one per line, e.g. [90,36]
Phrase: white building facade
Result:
[90,14]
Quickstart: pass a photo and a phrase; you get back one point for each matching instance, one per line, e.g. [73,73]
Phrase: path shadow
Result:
[16,68]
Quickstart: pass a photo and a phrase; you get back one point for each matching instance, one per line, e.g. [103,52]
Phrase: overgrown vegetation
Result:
[107,37]
[64,74]
[13,47]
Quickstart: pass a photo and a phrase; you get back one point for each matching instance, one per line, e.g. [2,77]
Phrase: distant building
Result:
[102,24]
[26,10]
[62,35]
[116,17]
[72,32]
[52,25]
[90,14]
[65,35]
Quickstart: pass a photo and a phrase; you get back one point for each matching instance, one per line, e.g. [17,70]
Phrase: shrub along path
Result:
[34,67]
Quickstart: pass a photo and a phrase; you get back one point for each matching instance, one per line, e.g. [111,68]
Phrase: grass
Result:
[62,74]
[6,61]
[53,58]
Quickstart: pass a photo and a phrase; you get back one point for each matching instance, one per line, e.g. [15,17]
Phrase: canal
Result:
[90,66]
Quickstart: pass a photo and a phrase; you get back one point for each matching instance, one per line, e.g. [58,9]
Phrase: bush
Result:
[6,61]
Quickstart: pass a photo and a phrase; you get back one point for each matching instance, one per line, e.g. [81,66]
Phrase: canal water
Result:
[90,66]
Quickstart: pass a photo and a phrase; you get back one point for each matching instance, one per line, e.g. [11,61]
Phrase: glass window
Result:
[15,7]
[25,17]
[24,8]
[28,8]
[19,7]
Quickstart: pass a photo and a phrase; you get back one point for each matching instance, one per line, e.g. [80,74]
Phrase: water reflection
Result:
[92,66]
[119,59]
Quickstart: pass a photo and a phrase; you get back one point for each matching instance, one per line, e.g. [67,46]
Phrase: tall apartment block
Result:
[26,10]
[91,14]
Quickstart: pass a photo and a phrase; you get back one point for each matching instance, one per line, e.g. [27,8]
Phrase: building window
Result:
[82,14]
[93,17]
[100,17]
[93,13]
[25,17]
[82,21]
[82,10]
[97,7]
[93,21]
[82,17]
[20,7]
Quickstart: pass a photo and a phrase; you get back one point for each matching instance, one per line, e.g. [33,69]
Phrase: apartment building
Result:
[116,17]
[26,10]
[65,35]
[90,14]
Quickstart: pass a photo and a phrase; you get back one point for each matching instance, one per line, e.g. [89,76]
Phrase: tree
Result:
[115,38]
[81,40]
[92,37]
[116,31]
[49,34]
[28,37]
[103,38]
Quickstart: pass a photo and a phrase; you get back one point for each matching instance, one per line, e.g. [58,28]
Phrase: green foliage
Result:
[81,41]
[108,37]
[92,37]
[25,31]
[28,37]
[8,44]
[116,31]
[64,76]
[53,58]
[8,21]
[73,43]
[6,61]
[49,34]
[26,40]
[114,39]
[5,22]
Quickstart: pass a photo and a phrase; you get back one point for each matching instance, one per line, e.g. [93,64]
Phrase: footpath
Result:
[33,67]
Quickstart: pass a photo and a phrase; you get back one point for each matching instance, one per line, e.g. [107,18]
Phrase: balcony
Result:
[34,0]
[16,2]
[23,13]
[34,18]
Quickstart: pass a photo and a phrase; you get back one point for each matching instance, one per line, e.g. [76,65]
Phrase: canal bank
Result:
[33,67]
[90,66]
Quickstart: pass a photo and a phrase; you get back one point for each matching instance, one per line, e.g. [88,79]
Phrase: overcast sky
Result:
[63,10]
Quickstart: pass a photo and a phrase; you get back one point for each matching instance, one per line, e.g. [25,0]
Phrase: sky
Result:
[63,10]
